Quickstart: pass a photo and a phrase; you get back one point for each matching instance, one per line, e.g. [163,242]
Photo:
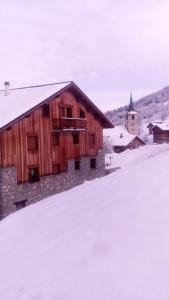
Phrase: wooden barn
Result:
[120,139]
[161,133]
[151,125]
[51,139]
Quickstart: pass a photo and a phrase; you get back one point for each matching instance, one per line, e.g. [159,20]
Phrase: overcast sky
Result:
[107,47]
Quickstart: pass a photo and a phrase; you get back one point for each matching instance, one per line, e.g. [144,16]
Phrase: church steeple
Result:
[132,122]
[131,105]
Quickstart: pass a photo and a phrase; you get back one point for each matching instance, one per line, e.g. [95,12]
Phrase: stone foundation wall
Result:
[10,192]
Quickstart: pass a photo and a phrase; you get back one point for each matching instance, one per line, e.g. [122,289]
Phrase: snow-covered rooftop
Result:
[132,112]
[155,123]
[118,136]
[162,126]
[20,100]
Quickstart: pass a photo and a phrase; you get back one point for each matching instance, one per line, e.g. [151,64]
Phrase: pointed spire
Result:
[131,105]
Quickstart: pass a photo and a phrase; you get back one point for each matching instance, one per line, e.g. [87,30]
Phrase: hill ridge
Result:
[150,107]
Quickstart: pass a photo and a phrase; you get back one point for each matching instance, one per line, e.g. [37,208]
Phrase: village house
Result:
[51,139]
[152,124]
[160,132]
[119,139]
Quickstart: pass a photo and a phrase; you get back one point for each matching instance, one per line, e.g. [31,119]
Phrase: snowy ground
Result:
[107,239]
[133,157]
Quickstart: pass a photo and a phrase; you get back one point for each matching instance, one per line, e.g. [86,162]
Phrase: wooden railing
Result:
[69,123]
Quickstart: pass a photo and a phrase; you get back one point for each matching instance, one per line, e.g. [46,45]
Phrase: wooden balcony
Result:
[69,123]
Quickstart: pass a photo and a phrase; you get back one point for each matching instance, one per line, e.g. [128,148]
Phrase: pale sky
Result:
[107,47]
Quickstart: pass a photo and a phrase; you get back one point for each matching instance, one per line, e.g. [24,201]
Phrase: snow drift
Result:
[106,239]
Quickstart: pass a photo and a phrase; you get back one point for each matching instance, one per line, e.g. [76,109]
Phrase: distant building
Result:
[151,125]
[119,139]
[160,133]
[132,123]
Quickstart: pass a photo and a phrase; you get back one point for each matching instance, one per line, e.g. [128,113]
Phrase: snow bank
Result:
[106,239]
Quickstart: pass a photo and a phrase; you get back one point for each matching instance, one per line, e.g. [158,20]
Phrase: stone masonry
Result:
[11,192]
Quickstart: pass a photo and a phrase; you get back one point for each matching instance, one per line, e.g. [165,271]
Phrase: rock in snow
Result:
[107,239]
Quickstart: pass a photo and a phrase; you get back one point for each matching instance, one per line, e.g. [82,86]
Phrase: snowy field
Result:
[107,239]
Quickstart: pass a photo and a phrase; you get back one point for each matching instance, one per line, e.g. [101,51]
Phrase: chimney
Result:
[6,88]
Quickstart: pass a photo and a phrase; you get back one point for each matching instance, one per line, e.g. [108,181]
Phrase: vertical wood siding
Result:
[13,142]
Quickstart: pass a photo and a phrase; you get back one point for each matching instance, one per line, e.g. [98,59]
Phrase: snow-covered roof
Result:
[21,100]
[154,123]
[163,126]
[132,112]
[118,136]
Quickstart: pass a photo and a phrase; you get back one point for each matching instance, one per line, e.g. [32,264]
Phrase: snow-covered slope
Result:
[106,239]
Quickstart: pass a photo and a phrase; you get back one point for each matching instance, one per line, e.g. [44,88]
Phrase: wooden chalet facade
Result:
[161,133]
[57,140]
[151,125]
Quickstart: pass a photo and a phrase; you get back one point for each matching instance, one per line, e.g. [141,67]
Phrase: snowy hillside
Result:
[107,239]
[151,107]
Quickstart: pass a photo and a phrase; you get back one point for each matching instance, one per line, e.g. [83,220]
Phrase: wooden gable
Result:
[28,141]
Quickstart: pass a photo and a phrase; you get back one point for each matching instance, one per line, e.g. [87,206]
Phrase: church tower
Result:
[132,119]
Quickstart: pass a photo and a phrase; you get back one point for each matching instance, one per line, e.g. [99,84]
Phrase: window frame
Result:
[65,111]
[37,175]
[93,163]
[76,134]
[18,204]
[77,164]
[30,148]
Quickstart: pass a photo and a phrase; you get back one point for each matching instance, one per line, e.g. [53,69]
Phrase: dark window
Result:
[132,117]
[82,114]
[77,164]
[20,204]
[65,112]
[55,139]
[45,110]
[33,174]
[92,140]
[93,163]
[32,142]
[76,138]
[55,169]
[69,112]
